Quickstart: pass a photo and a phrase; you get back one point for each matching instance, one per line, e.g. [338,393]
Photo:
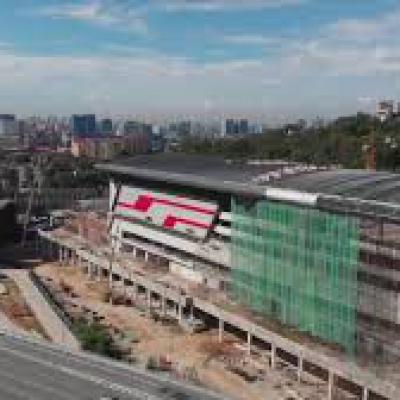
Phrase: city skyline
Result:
[278,59]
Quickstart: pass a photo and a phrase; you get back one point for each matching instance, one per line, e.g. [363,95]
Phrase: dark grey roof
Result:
[203,166]
[238,177]
[360,184]
[208,172]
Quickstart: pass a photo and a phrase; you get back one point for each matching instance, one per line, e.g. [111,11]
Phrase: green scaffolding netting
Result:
[298,266]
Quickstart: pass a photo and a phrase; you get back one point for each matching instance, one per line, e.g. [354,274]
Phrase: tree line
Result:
[345,141]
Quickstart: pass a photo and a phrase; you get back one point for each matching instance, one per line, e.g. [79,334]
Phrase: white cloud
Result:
[135,78]
[121,83]
[348,47]
[382,27]
[223,5]
[252,39]
[366,100]
[104,13]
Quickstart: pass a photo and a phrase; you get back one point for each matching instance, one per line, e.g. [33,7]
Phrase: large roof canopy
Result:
[291,181]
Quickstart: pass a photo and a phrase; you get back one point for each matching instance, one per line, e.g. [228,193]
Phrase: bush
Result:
[95,338]
[151,363]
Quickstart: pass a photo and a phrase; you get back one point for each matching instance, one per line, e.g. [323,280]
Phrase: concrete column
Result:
[99,273]
[249,343]
[63,255]
[60,255]
[148,294]
[110,277]
[365,394]
[299,368]
[331,385]
[163,305]
[73,258]
[66,256]
[220,330]
[273,356]
[134,252]
[180,310]
[135,291]
[91,269]
[146,256]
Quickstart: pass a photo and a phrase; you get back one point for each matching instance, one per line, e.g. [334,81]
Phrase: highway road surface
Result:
[32,370]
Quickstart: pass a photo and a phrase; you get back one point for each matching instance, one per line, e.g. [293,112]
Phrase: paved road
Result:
[30,370]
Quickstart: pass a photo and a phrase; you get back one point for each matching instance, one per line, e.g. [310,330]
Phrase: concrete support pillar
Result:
[64,255]
[249,343]
[91,270]
[60,255]
[146,256]
[134,252]
[73,258]
[164,306]
[299,368]
[99,273]
[179,307]
[220,330]
[110,277]
[273,356]
[331,385]
[135,291]
[365,394]
[148,294]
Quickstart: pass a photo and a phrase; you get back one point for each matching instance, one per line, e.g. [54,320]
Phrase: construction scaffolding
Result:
[299,266]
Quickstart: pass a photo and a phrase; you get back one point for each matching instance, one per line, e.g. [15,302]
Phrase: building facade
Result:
[83,125]
[314,251]
[8,125]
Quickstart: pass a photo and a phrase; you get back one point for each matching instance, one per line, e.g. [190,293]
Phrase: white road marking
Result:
[36,385]
[102,365]
[136,393]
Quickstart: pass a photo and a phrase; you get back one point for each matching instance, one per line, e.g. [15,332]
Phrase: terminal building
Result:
[301,264]
[314,251]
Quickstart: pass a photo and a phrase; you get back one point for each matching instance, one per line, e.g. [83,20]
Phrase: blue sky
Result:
[275,59]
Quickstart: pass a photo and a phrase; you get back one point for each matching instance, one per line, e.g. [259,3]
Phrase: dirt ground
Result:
[13,305]
[185,351]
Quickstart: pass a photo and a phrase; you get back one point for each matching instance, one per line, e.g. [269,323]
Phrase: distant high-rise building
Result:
[83,125]
[231,127]
[183,128]
[385,110]
[106,126]
[138,136]
[243,127]
[132,128]
[237,127]
[8,125]
[137,128]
